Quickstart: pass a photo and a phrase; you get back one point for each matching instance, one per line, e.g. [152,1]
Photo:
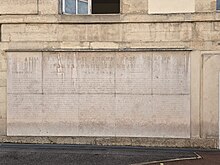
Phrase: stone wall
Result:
[36,26]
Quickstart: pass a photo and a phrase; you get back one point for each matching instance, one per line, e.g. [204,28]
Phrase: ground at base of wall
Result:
[207,158]
[116,141]
[90,154]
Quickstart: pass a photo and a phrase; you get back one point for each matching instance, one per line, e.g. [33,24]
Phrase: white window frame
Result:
[89,7]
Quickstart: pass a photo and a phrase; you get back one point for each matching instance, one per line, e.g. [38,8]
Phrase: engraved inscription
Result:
[171,74]
[134,73]
[25,73]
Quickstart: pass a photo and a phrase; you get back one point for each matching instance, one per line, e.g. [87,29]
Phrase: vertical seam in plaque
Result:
[115,95]
[152,72]
[201,97]
[42,71]
[76,54]
[218,110]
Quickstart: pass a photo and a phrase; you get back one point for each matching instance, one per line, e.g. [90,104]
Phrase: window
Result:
[218,4]
[91,6]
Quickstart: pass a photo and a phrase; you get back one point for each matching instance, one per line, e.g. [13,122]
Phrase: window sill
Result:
[89,18]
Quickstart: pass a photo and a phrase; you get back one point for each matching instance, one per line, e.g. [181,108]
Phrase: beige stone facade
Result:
[144,77]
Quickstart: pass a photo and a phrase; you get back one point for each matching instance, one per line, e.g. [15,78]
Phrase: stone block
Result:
[3,127]
[171,116]
[3,79]
[98,32]
[3,62]
[131,6]
[97,115]
[48,7]
[133,116]
[171,6]
[134,73]
[3,110]
[171,73]
[3,94]
[210,97]
[104,45]
[153,116]
[25,72]
[30,32]
[74,45]
[96,72]
[205,5]
[18,7]
[42,115]
[59,72]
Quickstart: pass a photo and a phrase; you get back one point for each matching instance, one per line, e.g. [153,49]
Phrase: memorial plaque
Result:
[134,73]
[131,94]
[25,72]
[171,73]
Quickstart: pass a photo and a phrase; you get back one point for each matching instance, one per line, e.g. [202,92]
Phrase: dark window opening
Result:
[105,6]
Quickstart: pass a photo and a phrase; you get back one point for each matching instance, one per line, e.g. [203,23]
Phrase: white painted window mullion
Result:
[89,6]
[76,6]
[64,6]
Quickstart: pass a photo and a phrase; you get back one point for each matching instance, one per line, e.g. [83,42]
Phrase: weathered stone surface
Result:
[79,72]
[48,6]
[205,5]
[210,97]
[3,94]
[154,32]
[131,6]
[97,115]
[132,32]
[3,79]
[153,116]
[134,73]
[3,62]
[3,125]
[3,110]
[45,115]
[18,7]
[171,73]
[25,72]
[171,6]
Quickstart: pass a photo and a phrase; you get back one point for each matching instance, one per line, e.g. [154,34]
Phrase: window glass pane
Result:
[218,4]
[82,6]
[70,6]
